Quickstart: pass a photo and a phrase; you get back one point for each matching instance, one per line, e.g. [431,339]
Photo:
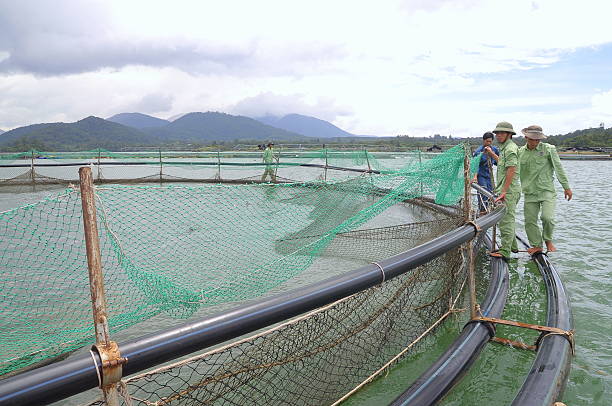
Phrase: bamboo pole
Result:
[96,279]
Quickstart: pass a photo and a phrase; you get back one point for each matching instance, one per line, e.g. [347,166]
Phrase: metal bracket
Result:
[545,331]
[111,369]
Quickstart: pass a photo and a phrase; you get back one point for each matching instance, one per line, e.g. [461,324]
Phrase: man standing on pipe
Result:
[485,165]
[507,187]
[268,159]
[538,161]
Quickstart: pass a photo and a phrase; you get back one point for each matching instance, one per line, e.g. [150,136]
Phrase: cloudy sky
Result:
[414,67]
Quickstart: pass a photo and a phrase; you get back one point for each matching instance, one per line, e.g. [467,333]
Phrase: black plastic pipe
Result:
[63,379]
[215,163]
[450,367]
[546,381]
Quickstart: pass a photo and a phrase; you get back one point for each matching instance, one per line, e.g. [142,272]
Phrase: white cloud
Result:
[412,66]
[602,103]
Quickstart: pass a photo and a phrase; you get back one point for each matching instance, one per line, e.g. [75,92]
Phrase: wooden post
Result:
[161,166]
[32,174]
[98,163]
[420,172]
[96,279]
[325,173]
[280,151]
[365,151]
[494,230]
[467,208]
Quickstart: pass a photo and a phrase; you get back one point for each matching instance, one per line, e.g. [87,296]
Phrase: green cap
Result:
[504,126]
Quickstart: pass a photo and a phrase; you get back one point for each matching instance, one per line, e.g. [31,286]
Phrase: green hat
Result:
[504,126]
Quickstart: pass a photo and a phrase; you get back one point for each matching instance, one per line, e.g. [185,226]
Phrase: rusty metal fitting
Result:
[112,363]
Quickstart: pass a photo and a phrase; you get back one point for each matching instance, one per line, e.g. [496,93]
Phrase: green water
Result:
[584,258]
[585,253]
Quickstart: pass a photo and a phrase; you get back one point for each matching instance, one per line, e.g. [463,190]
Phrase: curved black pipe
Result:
[546,381]
[450,367]
[58,381]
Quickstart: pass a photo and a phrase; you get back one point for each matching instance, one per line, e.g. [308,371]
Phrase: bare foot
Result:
[550,246]
[534,250]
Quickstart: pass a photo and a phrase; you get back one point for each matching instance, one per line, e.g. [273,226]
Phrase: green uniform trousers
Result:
[532,210]
[507,225]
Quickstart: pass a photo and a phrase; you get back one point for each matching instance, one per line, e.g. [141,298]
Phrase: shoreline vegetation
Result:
[214,131]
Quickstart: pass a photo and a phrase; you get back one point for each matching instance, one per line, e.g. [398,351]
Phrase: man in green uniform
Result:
[538,161]
[507,187]
[268,159]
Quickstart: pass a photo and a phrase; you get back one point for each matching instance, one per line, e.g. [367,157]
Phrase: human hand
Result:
[568,194]
[501,197]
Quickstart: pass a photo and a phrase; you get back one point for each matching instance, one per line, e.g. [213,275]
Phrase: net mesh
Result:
[176,250]
[317,358]
[35,167]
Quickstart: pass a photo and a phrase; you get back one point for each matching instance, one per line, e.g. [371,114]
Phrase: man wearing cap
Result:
[538,161]
[268,159]
[507,187]
[485,168]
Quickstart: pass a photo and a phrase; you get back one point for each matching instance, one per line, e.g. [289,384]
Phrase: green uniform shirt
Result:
[537,167]
[268,156]
[508,156]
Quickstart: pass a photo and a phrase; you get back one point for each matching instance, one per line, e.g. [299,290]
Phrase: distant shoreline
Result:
[585,157]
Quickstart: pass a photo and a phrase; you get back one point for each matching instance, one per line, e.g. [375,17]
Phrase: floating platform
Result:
[585,157]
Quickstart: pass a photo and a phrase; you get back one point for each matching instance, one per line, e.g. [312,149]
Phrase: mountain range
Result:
[138,120]
[136,129]
[305,125]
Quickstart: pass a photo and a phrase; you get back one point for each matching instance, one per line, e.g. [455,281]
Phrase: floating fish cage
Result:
[293,292]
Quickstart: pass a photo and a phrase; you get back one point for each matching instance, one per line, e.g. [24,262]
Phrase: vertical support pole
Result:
[420,171]
[467,209]
[325,173]
[161,167]
[365,151]
[96,279]
[99,153]
[494,229]
[32,174]
[280,151]
[218,164]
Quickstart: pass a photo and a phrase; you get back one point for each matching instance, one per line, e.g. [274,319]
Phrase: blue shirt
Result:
[483,166]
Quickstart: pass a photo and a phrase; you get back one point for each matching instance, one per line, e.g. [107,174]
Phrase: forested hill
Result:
[213,126]
[305,125]
[591,137]
[138,120]
[88,133]
[193,130]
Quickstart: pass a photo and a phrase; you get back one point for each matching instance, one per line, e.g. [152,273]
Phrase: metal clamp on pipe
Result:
[111,368]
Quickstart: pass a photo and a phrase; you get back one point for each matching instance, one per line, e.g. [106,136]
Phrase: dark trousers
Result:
[483,201]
